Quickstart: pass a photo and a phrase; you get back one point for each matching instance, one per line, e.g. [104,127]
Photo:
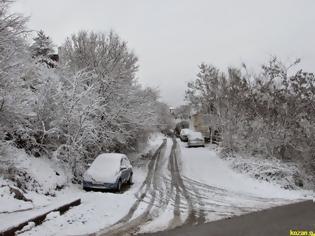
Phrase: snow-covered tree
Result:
[42,50]
[271,114]
[273,110]
[182,112]
[42,45]
[99,104]
[15,93]
[90,104]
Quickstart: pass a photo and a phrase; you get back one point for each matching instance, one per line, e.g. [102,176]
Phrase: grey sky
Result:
[172,37]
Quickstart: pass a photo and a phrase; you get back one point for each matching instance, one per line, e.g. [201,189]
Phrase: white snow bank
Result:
[10,204]
[12,219]
[52,215]
[27,227]
[285,174]
[155,141]
[7,201]
[97,210]
[42,175]
[206,166]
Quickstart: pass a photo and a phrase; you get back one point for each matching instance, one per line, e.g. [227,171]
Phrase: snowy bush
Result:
[270,114]
[41,175]
[286,174]
[70,111]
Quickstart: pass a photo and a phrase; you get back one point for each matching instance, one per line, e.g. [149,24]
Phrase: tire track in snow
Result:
[164,195]
[174,185]
[126,224]
[161,190]
[221,192]
[195,214]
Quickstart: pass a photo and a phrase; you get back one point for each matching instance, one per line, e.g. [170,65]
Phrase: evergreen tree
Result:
[42,45]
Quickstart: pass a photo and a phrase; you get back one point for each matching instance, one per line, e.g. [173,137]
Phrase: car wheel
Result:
[119,183]
[130,179]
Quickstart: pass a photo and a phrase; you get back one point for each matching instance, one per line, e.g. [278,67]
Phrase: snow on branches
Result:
[88,103]
[271,113]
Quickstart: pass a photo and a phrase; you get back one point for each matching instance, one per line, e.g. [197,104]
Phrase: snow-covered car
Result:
[184,134]
[109,171]
[179,126]
[195,139]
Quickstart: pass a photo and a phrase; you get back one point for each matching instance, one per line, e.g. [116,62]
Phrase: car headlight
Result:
[87,177]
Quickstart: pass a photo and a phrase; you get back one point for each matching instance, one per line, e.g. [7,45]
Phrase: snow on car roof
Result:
[108,161]
[185,131]
[195,135]
[111,155]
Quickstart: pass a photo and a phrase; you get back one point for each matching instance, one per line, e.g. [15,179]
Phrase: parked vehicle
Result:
[179,126]
[184,135]
[195,139]
[109,171]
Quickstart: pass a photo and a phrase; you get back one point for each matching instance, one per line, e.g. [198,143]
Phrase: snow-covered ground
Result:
[286,174]
[19,216]
[42,175]
[181,185]
[35,181]
[205,166]
[215,191]
[97,210]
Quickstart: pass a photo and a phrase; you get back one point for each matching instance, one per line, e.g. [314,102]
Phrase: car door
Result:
[129,169]
[124,170]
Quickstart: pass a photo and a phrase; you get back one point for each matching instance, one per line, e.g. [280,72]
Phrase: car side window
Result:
[126,163]
[123,163]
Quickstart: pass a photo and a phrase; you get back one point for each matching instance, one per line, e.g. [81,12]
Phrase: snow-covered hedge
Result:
[286,174]
[269,112]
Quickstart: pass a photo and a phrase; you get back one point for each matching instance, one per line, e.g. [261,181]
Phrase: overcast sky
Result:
[171,37]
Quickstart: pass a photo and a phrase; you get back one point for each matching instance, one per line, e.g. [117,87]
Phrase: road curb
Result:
[40,218]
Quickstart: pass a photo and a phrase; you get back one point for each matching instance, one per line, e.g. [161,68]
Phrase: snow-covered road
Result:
[182,186]
[191,186]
